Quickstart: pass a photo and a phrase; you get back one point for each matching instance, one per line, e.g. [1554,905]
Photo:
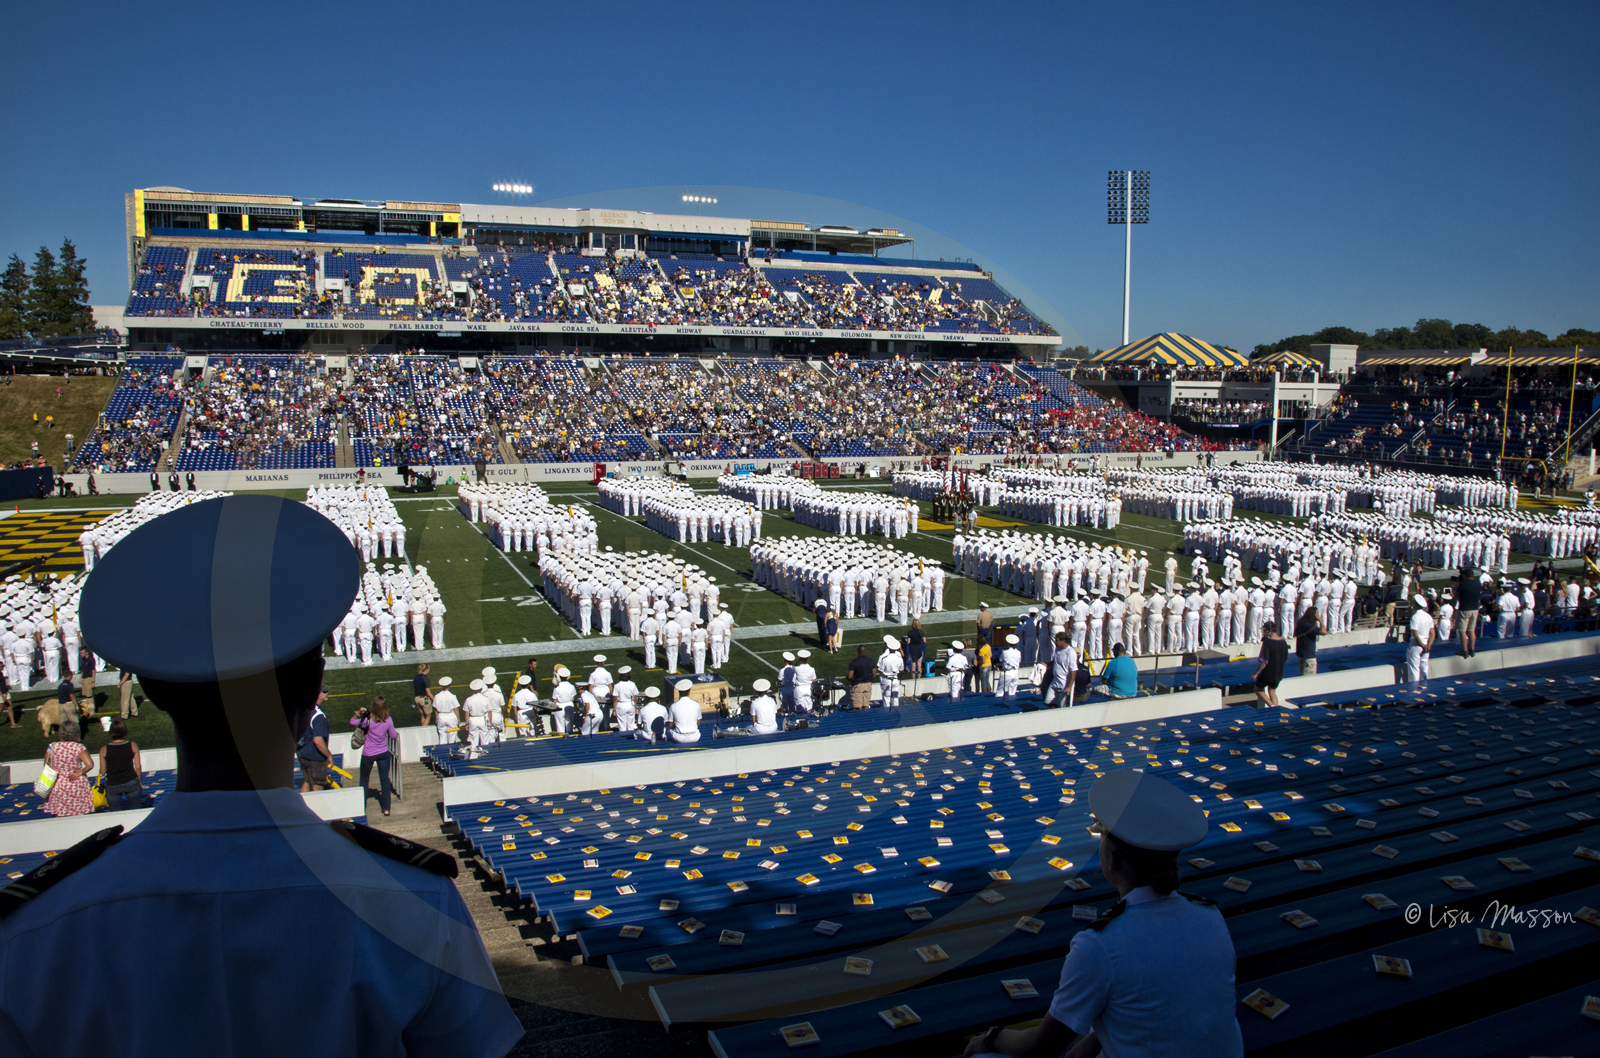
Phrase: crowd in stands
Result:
[1154,372]
[420,409]
[530,242]
[1221,411]
[137,425]
[691,412]
[778,394]
[158,284]
[901,407]
[506,285]
[549,282]
[1473,433]
[286,411]
[260,412]
[1558,385]
[621,290]
[272,284]
[552,411]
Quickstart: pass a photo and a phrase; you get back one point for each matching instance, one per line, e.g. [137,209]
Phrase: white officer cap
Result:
[1033,610]
[624,670]
[652,692]
[488,670]
[891,642]
[476,685]
[683,685]
[761,685]
[957,645]
[1012,641]
[1420,599]
[444,681]
[600,659]
[523,681]
[1146,812]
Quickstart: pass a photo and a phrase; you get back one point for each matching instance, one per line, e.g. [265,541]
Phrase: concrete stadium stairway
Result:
[169,458]
[570,1010]
[344,453]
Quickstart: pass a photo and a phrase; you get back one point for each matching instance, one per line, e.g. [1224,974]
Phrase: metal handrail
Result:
[1585,432]
[395,785]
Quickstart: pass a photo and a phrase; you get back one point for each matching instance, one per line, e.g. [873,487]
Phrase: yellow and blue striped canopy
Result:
[1174,349]
[1545,360]
[1284,356]
[1420,359]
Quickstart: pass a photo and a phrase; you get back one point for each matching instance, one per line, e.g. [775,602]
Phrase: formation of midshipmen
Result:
[851,577]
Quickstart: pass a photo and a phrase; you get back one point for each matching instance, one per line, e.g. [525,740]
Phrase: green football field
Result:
[494,609]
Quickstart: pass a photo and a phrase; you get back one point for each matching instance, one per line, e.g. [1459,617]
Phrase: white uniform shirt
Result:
[1421,627]
[564,694]
[1156,982]
[651,713]
[445,705]
[478,707]
[522,702]
[685,725]
[764,714]
[890,664]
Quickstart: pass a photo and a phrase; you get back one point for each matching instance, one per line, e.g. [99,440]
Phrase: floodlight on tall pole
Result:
[1127,203]
[699,201]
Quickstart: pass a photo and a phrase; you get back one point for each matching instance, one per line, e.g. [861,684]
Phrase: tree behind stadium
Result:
[52,301]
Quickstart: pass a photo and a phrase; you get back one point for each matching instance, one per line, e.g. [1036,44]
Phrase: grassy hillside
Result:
[75,411]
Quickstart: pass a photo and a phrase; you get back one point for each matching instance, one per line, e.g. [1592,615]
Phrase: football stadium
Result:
[772,640]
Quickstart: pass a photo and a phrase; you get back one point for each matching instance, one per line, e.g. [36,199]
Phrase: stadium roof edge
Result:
[557,217]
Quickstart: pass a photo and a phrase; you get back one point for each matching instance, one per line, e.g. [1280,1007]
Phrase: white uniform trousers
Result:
[890,686]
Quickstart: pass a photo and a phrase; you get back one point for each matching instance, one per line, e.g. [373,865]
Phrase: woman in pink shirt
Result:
[378,729]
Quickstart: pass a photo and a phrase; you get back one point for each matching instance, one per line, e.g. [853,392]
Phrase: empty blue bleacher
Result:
[1298,799]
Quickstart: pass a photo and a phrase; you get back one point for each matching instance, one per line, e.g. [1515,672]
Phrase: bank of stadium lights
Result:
[700,201]
[514,189]
[1127,203]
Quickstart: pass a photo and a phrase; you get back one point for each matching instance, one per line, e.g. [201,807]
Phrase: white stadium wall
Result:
[545,473]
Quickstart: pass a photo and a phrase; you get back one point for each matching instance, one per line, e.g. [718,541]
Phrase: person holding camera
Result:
[374,729]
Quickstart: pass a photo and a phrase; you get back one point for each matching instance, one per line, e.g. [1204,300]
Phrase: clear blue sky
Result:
[1364,164]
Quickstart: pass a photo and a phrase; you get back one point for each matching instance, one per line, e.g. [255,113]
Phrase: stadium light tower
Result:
[700,201]
[1127,203]
[514,189]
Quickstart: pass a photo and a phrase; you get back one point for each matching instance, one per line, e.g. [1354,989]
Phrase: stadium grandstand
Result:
[285,412]
[266,273]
